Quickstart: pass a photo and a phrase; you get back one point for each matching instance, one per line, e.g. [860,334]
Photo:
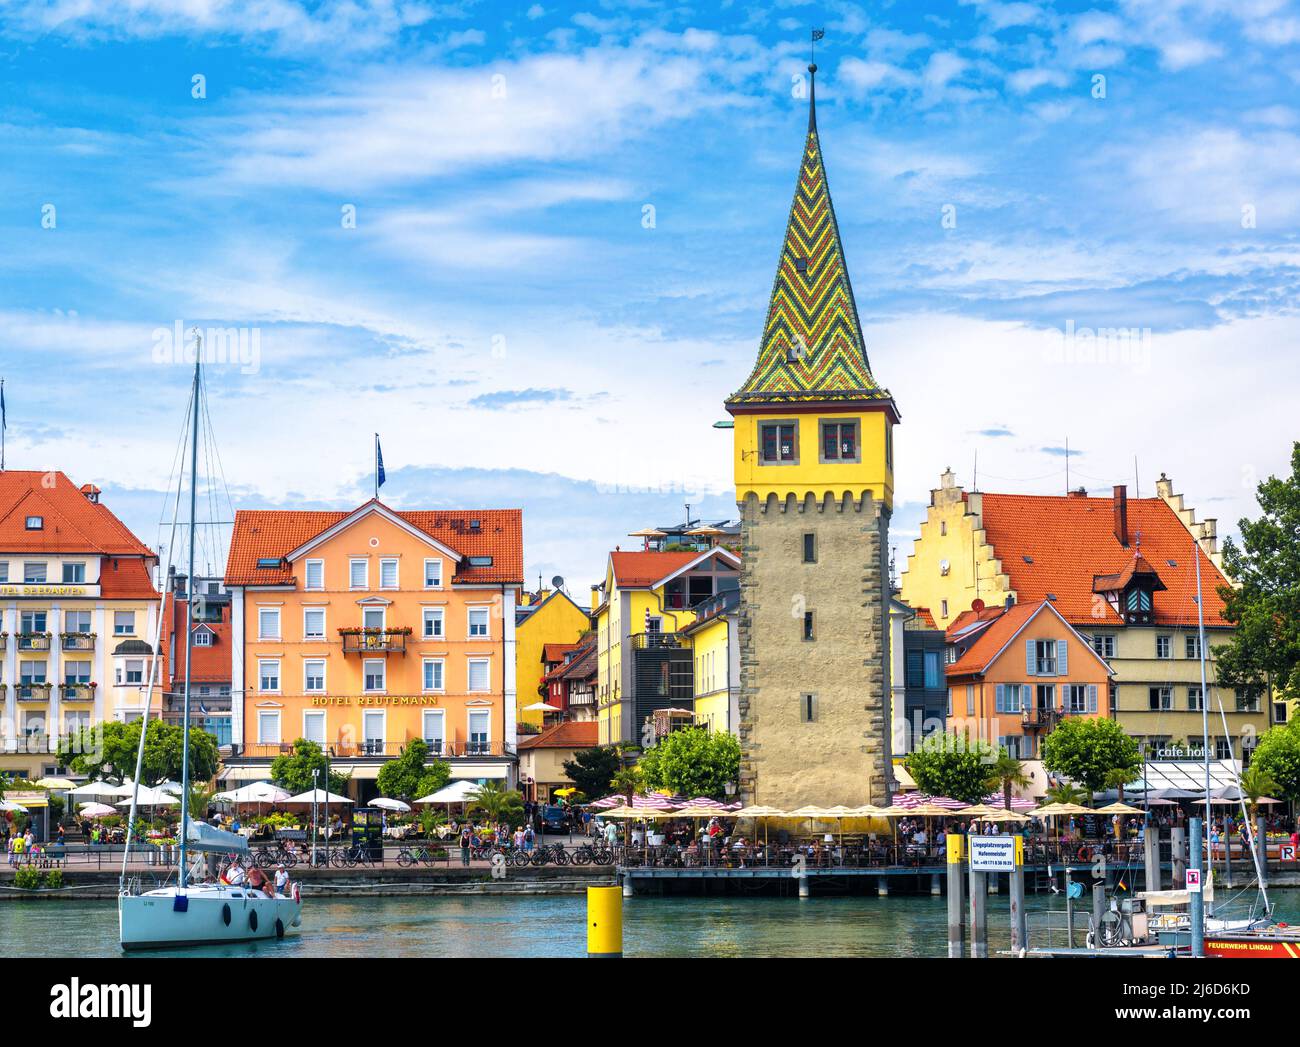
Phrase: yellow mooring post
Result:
[605,922]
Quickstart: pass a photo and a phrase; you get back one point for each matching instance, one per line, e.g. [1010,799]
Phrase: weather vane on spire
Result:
[817,34]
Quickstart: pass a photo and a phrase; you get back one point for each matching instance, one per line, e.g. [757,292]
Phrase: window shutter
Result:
[1062,658]
[1000,698]
[1031,658]
[1092,697]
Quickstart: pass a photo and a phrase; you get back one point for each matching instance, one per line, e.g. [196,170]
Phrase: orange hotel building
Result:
[362,630]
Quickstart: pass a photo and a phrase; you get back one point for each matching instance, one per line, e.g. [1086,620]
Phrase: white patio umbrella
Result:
[254,792]
[97,810]
[390,805]
[15,808]
[147,797]
[101,791]
[542,707]
[454,792]
[316,796]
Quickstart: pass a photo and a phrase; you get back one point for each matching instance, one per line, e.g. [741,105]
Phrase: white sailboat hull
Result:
[213,915]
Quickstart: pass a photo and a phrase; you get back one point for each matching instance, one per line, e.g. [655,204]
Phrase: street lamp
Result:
[315,779]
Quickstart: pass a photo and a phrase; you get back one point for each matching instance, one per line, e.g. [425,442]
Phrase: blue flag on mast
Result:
[379,466]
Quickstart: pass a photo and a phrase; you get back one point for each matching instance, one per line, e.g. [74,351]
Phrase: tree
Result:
[1278,756]
[409,776]
[108,751]
[1264,651]
[1006,773]
[1086,750]
[694,762]
[500,805]
[1066,793]
[590,770]
[628,782]
[1119,777]
[293,771]
[952,765]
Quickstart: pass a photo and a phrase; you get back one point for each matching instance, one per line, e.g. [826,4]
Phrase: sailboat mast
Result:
[1205,706]
[189,616]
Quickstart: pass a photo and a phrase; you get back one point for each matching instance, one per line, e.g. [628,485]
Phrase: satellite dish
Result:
[558,581]
[943,566]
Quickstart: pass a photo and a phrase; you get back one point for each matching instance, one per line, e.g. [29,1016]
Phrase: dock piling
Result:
[1178,847]
[955,900]
[605,922]
[1019,930]
[979,930]
[1151,852]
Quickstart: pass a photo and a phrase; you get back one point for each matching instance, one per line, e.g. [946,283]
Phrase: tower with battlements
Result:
[813,434]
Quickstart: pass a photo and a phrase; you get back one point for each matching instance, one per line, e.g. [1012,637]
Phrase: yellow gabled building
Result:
[644,662]
[550,617]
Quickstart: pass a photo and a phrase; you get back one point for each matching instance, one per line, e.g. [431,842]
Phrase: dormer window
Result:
[268,562]
[480,561]
[35,523]
[801,265]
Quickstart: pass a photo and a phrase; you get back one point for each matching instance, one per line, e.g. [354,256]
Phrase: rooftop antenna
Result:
[1067,465]
[975,472]
[1137,488]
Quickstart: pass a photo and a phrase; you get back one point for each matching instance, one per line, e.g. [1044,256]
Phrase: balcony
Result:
[77,692]
[655,641]
[33,692]
[374,641]
[1044,719]
[77,641]
[34,641]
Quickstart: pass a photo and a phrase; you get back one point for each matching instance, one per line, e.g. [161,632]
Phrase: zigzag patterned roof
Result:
[812,346]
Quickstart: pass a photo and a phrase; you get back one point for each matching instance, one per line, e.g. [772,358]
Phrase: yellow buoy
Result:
[605,922]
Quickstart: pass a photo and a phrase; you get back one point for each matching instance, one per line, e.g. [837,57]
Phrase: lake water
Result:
[555,926]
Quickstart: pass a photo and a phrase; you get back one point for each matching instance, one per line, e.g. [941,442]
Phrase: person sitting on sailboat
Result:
[234,875]
[257,880]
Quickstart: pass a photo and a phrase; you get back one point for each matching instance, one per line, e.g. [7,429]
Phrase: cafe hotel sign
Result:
[47,590]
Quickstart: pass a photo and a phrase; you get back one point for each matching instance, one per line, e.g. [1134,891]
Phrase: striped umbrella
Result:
[911,801]
[1018,803]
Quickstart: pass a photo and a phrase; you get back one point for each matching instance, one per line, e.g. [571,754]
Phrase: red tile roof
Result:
[640,570]
[274,533]
[73,523]
[568,735]
[209,664]
[1005,624]
[581,666]
[555,652]
[1071,540]
[924,616]
[122,579]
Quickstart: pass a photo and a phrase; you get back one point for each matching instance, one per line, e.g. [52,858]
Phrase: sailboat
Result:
[185,913]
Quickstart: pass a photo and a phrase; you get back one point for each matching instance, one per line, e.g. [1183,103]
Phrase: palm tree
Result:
[1066,793]
[1006,773]
[1255,783]
[500,805]
[1118,777]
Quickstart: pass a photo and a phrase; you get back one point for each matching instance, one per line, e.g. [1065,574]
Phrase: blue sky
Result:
[566,222]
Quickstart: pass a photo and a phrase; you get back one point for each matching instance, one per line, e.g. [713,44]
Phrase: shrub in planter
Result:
[27,878]
[54,879]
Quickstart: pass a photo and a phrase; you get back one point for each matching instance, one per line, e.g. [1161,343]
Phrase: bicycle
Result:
[278,854]
[419,855]
[355,855]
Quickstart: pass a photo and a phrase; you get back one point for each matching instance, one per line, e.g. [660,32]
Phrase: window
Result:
[433,623]
[1247,702]
[35,523]
[202,637]
[943,608]
[970,699]
[123,623]
[4,570]
[809,548]
[315,575]
[1161,698]
[313,727]
[434,728]
[807,708]
[777,443]
[268,623]
[1044,657]
[268,675]
[479,677]
[313,623]
[1192,645]
[433,574]
[134,671]
[359,574]
[388,574]
[75,673]
[32,622]
[914,669]
[1104,644]
[478,622]
[313,675]
[76,622]
[1007,697]
[373,617]
[31,673]
[809,630]
[34,573]
[1279,712]
[933,677]
[1195,699]
[479,724]
[1163,647]
[839,441]
[1080,698]
[433,670]
[374,675]
[74,573]
[1223,748]
[268,727]
[372,727]
[1011,743]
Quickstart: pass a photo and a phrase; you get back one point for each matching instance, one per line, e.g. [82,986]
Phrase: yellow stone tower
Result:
[813,434]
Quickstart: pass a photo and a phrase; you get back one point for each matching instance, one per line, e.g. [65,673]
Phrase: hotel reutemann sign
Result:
[995,853]
[378,699]
[44,590]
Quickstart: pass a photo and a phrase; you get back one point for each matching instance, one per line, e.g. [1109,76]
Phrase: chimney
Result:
[1011,600]
[1121,514]
[1079,492]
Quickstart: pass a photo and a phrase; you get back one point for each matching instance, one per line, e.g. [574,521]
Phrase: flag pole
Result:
[376,466]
